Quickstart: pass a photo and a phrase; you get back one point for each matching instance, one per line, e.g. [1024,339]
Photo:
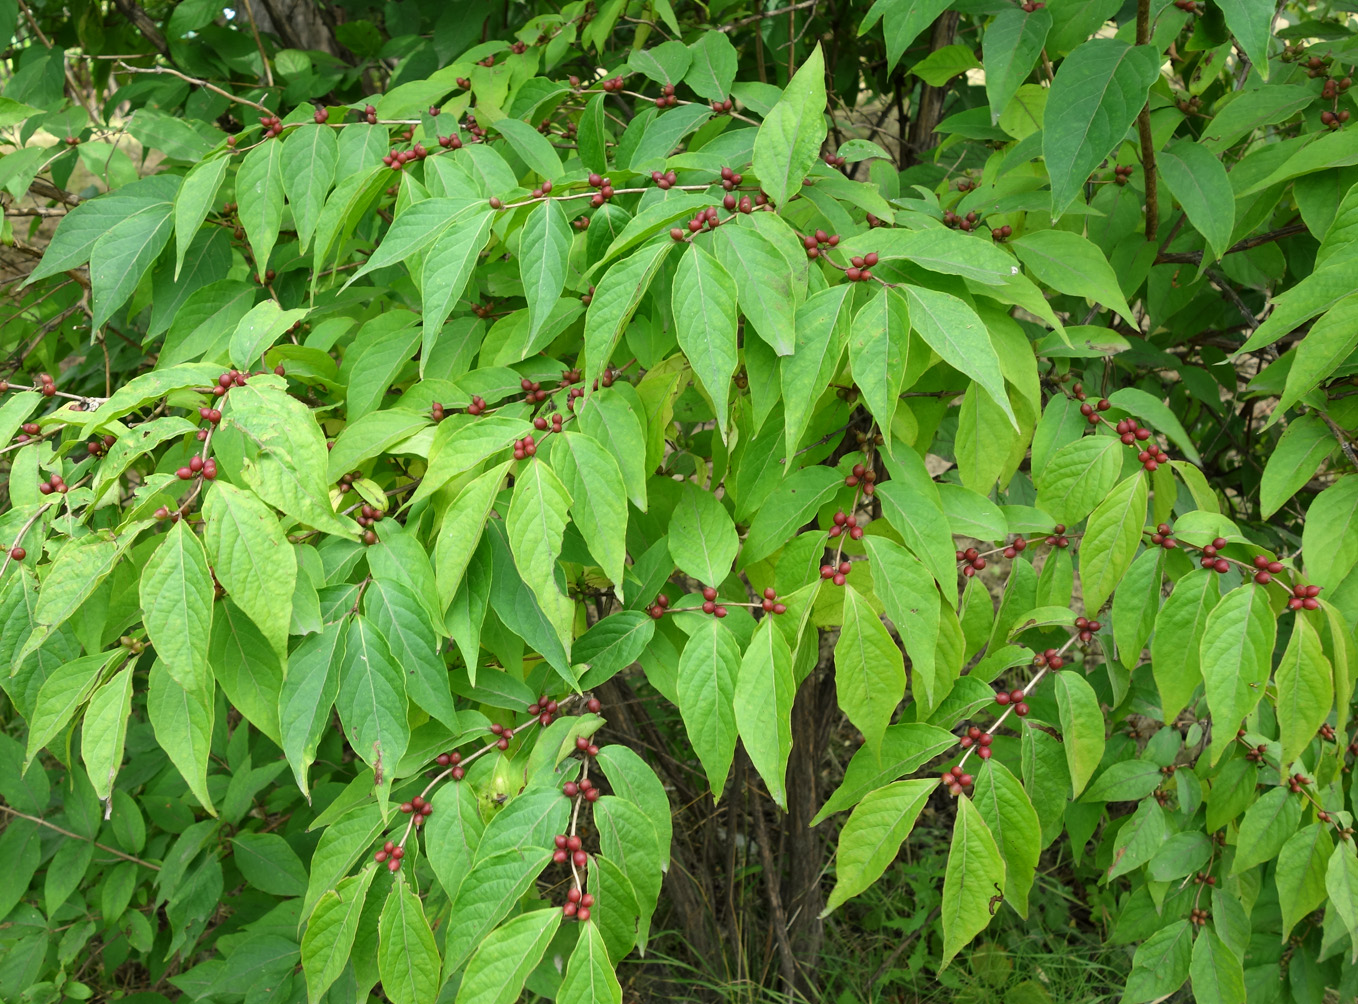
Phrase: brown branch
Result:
[143,23]
[194,80]
[259,44]
[1143,123]
[67,833]
[45,189]
[768,13]
[1193,257]
[923,122]
[787,960]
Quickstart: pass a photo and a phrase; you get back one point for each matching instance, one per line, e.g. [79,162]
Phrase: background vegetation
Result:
[696,447]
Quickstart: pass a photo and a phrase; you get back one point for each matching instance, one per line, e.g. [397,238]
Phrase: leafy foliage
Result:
[498,455]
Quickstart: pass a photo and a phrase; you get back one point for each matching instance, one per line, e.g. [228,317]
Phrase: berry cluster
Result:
[454,760]
[1326,732]
[1198,916]
[587,297]
[956,781]
[973,559]
[1256,753]
[464,83]
[859,266]
[846,523]
[1088,411]
[613,84]
[1122,174]
[965,184]
[477,406]
[817,242]
[981,740]
[437,412]
[955,222]
[708,217]
[1087,628]
[730,179]
[667,98]
[1333,88]
[417,807]
[569,848]
[392,854]
[770,604]
[212,416]
[519,48]
[1188,106]
[273,126]
[867,477]
[346,481]
[577,905]
[1058,538]
[833,160]
[229,379]
[1190,6]
[1002,233]
[47,387]
[399,158]
[584,787]
[367,516]
[1297,782]
[453,142]
[28,431]
[582,223]
[502,743]
[1032,5]
[53,484]
[1050,658]
[837,573]
[525,447]
[540,423]
[1265,569]
[1210,559]
[488,61]
[321,115]
[1016,697]
[1333,120]
[1131,433]
[605,190]
[741,205]
[544,189]
[664,180]
[1304,598]
[198,467]
[545,709]
[586,747]
[533,391]
[722,107]
[369,114]
[72,140]
[1161,537]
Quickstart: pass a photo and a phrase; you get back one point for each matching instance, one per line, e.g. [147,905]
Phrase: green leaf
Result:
[1197,179]
[372,701]
[330,930]
[1136,602]
[1330,341]
[942,64]
[708,670]
[765,689]
[1009,48]
[1300,875]
[1175,646]
[1072,264]
[1341,884]
[1111,539]
[259,191]
[975,874]
[1268,824]
[1305,684]
[269,863]
[1095,97]
[790,506]
[252,559]
[598,504]
[310,154]
[703,301]
[702,538]
[1160,965]
[193,203]
[1009,813]
[1237,655]
[632,778]
[713,66]
[1082,728]
[905,747]
[535,525]
[589,975]
[1218,977]
[879,346]
[869,672]
[615,300]
[458,448]
[764,286]
[461,531]
[544,247]
[616,418]
[532,147]
[822,324]
[176,600]
[182,721]
[983,441]
[1251,22]
[629,838]
[911,600]
[452,834]
[104,730]
[1318,292]
[901,23]
[122,256]
[399,616]
[791,135]
[919,519]
[503,962]
[308,695]
[952,329]
[873,835]
[1329,537]
[407,957]
[61,694]
[447,268]
[415,230]
[1139,839]
[94,218]
[1125,781]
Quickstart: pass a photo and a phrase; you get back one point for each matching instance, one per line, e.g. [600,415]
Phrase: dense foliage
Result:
[466,467]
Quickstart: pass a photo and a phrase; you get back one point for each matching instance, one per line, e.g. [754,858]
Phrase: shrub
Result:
[403,437]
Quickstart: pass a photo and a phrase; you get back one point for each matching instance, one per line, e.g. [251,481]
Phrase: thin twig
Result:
[263,56]
[67,833]
[194,80]
[1143,123]
[1193,257]
[768,13]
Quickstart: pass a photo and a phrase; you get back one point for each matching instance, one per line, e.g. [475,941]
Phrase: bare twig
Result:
[1143,123]
[768,13]
[1193,257]
[259,43]
[67,833]
[194,80]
